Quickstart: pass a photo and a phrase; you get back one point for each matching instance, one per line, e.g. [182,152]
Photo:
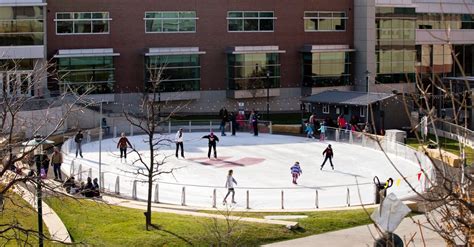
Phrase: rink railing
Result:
[280,197]
[173,126]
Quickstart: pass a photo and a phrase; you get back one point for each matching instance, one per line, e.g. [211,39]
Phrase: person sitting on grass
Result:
[96,187]
[70,185]
[88,189]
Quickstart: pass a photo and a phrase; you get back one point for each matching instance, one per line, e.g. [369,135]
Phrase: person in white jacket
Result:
[179,138]
[229,184]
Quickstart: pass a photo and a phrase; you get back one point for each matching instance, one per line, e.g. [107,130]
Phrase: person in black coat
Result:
[213,139]
[255,124]
[328,156]
[233,122]
[78,139]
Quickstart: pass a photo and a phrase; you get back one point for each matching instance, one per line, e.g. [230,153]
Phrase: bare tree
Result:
[448,203]
[149,120]
[25,111]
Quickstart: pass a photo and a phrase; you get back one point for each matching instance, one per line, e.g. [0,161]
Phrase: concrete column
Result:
[364,43]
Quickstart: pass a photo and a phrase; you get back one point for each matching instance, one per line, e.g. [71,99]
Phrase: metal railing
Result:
[322,196]
[453,131]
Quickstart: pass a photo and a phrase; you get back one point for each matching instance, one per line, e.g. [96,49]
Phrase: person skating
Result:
[309,130]
[122,144]
[229,184]
[213,139]
[56,161]
[179,138]
[78,140]
[322,131]
[296,172]
[233,123]
[224,115]
[328,153]
[255,124]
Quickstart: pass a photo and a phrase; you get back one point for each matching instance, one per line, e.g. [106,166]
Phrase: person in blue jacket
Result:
[322,131]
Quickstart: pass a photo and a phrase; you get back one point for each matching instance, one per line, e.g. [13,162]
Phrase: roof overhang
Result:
[106,52]
[326,48]
[347,98]
[163,51]
[16,3]
[254,49]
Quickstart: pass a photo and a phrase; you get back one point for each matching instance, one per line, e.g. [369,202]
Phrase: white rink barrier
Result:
[344,195]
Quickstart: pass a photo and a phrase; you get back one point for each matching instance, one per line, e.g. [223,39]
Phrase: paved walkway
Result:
[156,208]
[361,236]
[57,229]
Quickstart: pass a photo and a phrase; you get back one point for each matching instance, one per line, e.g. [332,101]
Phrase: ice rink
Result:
[261,166]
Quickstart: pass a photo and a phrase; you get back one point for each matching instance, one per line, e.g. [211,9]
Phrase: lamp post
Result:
[100,145]
[38,142]
[268,95]
[367,81]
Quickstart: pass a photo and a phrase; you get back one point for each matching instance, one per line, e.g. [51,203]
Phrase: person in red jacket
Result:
[123,143]
[328,156]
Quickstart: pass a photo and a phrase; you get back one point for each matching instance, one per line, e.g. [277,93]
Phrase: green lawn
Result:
[18,212]
[446,144]
[103,225]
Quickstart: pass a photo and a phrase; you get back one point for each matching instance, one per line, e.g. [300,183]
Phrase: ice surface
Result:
[261,165]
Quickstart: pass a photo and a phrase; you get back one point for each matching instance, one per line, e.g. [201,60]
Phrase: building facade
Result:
[23,67]
[212,54]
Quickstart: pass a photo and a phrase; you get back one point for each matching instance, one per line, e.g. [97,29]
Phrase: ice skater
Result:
[296,172]
[179,138]
[122,144]
[309,130]
[322,130]
[328,153]
[213,139]
[229,184]
[78,140]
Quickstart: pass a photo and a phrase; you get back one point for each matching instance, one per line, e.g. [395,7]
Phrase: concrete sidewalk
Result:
[362,236]
[57,229]
[155,208]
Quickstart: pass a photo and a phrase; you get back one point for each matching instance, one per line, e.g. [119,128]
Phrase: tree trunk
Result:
[150,184]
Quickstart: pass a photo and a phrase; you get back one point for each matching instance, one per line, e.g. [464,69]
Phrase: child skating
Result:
[229,184]
[296,172]
[322,130]
[309,130]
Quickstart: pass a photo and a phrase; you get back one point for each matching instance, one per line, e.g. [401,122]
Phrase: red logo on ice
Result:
[225,162]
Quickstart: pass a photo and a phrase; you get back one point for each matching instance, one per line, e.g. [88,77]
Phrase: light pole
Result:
[38,153]
[100,146]
[367,81]
[268,95]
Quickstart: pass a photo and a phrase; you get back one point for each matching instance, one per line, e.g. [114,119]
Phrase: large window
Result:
[253,71]
[250,21]
[82,22]
[174,72]
[321,21]
[170,22]
[91,74]
[21,26]
[395,47]
[445,21]
[326,69]
[16,77]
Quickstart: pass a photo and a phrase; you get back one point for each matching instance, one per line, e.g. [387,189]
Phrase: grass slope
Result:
[446,144]
[103,225]
[17,211]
